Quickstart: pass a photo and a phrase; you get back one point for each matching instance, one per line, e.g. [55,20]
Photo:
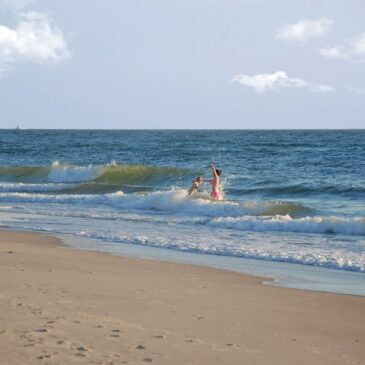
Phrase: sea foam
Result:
[259,216]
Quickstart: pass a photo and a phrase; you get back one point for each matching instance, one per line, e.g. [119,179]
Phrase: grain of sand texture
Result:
[63,306]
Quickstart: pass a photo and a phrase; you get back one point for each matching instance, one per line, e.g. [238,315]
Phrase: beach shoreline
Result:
[275,273]
[61,305]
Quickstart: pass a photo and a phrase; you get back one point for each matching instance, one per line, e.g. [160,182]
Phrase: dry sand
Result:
[63,306]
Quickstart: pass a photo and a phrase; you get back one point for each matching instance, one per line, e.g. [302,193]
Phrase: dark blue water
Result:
[303,189]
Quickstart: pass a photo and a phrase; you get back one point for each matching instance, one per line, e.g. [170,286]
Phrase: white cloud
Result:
[322,88]
[333,52]
[278,80]
[34,40]
[355,90]
[304,30]
[354,50]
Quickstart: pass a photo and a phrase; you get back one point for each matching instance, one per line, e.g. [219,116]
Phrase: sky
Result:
[185,64]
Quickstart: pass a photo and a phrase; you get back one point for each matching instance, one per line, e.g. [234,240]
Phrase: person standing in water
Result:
[196,183]
[216,188]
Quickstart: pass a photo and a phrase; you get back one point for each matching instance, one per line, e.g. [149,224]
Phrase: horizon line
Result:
[181,129]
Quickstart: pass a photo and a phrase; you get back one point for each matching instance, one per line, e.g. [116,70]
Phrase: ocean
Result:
[295,197]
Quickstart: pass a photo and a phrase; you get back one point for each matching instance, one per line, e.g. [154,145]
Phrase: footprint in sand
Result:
[30,343]
[41,357]
[81,348]
[147,359]
[36,310]
[140,347]
[115,333]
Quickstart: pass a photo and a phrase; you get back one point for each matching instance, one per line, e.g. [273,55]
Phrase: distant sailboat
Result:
[17,127]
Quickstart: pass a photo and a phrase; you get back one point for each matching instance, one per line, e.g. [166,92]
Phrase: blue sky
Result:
[182,64]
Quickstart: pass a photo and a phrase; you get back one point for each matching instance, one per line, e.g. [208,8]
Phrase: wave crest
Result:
[110,174]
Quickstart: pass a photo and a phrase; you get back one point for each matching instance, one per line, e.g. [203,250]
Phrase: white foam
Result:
[284,223]
[22,187]
[69,173]
[313,255]
[261,239]
[174,201]
[246,216]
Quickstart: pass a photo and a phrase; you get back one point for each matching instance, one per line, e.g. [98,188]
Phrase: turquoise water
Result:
[289,196]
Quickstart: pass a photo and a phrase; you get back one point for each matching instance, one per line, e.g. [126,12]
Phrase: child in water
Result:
[195,186]
[216,192]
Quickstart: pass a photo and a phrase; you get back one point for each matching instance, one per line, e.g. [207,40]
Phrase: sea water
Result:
[293,207]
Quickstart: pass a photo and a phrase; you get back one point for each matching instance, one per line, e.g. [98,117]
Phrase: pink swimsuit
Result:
[215,194]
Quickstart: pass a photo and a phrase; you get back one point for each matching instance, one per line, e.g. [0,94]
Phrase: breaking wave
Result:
[97,178]
[261,216]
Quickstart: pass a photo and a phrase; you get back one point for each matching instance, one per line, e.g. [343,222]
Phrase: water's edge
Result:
[280,274]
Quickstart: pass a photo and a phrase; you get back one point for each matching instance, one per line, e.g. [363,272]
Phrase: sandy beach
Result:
[63,306]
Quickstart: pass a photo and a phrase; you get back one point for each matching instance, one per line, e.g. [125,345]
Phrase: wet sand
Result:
[59,305]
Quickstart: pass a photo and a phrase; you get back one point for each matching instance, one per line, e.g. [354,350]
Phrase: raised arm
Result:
[214,171]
